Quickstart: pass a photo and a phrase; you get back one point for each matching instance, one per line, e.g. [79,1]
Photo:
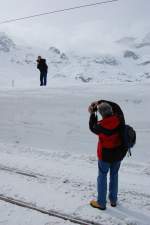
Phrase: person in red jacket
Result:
[110,150]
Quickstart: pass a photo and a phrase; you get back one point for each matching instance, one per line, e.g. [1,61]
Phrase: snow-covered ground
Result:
[44,132]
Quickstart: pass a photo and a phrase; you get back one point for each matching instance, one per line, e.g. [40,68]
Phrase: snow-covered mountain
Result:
[6,44]
[131,63]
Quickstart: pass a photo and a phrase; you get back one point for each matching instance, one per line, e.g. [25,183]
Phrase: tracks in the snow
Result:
[53,213]
[24,173]
[63,216]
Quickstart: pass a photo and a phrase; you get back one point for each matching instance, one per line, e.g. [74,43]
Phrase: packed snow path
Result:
[47,155]
[66,182]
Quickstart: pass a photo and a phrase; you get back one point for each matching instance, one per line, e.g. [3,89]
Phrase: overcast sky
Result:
[94,29]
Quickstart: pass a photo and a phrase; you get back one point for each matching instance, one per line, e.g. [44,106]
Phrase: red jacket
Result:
[111,141]
[110,132]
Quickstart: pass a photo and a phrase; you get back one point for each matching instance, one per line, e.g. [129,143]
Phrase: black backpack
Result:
[129,137]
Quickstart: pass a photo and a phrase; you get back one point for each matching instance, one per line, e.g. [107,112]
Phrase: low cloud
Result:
[93,29]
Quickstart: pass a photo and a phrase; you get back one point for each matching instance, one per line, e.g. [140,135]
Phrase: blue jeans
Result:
[43,78]
[104,167]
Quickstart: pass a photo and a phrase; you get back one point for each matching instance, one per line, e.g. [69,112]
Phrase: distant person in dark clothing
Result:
[111,149]
[42,66]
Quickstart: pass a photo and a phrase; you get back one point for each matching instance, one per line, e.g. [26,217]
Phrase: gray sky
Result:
[94,29]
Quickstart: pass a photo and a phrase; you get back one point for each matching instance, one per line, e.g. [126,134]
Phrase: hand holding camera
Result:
[93,107]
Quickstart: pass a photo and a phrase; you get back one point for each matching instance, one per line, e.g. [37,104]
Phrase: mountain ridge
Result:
[129,65]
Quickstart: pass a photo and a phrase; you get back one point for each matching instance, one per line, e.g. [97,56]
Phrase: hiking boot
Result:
[113,204]
[95,204]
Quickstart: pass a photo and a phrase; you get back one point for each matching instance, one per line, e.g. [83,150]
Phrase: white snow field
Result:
[48,155]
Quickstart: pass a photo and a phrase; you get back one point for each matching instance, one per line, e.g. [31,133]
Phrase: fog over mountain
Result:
[93,29]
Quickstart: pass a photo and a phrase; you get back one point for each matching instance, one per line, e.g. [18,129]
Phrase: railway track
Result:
[72,218]
[21,172]
[28,173]
[52,213]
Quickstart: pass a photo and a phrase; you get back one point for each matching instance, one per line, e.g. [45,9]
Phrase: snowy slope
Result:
[129,63]
[42,113]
